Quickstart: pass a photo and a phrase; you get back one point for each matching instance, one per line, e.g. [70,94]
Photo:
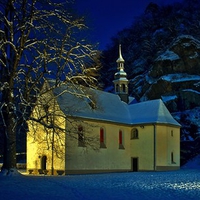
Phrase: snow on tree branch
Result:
[39,40]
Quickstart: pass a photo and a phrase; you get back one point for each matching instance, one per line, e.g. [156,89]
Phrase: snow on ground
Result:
[183,184]
[194,163]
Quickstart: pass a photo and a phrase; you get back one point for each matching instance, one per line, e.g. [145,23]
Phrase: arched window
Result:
[101,135]
[44,163]
[123,88]
[117,88]
[102,138]
[134,134]
[121,140]
[120,137]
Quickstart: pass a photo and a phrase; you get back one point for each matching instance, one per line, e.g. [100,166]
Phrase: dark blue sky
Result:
[107,17]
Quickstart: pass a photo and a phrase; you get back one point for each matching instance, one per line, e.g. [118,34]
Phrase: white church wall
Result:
[143,147]
[168,147]
[109,157]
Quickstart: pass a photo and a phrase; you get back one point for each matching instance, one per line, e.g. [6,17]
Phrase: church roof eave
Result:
[110,108]
[154,112]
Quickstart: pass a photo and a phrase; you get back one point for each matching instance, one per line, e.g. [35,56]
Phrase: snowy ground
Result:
[183,184]
[179,185]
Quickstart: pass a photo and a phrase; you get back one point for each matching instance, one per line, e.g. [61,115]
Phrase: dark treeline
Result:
[149,35]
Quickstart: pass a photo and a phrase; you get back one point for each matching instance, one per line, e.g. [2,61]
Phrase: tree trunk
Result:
[9,107]
[9,155]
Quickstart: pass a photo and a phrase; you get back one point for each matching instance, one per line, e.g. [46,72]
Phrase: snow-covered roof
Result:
[94,104]
[153,111]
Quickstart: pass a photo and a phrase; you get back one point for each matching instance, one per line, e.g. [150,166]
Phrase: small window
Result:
[102,138]
[172,133]
[120,137]
[134,134]
[81,138]
[121,146]
[117,88]
[172,158]
[123,88]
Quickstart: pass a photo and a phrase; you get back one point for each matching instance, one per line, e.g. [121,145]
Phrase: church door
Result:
[135,164]
[44,163]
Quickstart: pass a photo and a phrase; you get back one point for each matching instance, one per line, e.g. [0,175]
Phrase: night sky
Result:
[106,17]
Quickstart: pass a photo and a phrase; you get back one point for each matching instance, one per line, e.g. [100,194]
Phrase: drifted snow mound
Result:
[193,163]
[11,172]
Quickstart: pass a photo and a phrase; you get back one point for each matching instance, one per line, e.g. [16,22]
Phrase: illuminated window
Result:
[102,138]
[81,138]
[134,134]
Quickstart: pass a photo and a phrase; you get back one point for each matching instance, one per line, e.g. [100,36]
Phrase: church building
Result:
[103,132]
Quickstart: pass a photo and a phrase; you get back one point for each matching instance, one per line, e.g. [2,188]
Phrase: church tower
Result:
[120,80]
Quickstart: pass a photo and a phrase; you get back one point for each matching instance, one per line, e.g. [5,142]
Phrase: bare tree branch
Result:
[39,40]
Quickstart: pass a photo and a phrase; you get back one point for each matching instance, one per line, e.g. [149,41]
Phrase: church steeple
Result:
[120,60]
[120,80]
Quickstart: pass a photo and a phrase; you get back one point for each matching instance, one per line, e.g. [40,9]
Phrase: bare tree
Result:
[54,126]
[39,39]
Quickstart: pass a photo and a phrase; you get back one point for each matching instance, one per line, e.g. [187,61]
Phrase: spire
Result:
[120,61]
[120,81]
